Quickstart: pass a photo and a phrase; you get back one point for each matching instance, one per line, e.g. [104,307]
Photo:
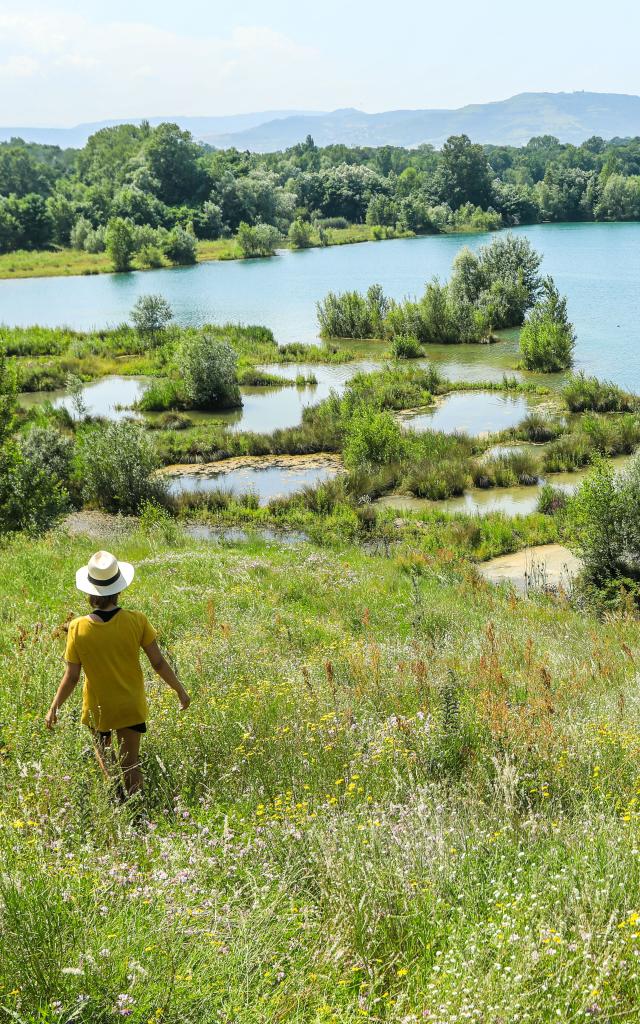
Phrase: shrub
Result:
[31,497]
[582,393]
[493,288]
[209,369]
[260,240]
[173,421]
[391,388]
[406,346]
[552,500]
[475,218]
[604,520]
[337,223]
[95,240]
[539,429]
[514,468]
[597,522]
[151,314]
[162,395]
[434,314]
[116,465]
[501,280]
[372,439]
[437,479]
[567,454]
[352,315]
[8,396]
[34,479]
[547,339]
[300,234]
[150,255]
[49,451]
[79,233]
[181,247]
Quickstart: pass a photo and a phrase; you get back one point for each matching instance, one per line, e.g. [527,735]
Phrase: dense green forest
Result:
[153,192]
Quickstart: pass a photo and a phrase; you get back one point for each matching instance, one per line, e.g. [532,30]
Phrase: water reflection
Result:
[110,397]
[512,501]
[268,483]
[474,413]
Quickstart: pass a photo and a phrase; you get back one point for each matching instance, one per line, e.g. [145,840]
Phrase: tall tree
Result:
[120,243]
[465,176]
[172,157]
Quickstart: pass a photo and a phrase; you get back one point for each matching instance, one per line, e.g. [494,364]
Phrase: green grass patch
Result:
[392,775]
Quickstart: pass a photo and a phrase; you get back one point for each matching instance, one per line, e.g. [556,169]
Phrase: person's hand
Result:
[184,699]
[52,717]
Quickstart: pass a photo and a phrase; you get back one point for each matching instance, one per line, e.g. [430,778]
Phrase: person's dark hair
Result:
[98,601]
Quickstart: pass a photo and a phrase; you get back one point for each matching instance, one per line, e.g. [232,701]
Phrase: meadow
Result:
[64,261]
[399,795]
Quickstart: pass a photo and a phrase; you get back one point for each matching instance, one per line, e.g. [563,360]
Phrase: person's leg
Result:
[105,756]
[104,753]
[129,755]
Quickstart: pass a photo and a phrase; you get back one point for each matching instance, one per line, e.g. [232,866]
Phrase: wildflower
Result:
[124,1004]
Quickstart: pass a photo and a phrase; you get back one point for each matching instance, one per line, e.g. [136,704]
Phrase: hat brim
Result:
[127,573]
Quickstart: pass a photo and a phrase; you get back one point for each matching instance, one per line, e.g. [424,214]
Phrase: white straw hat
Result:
[104,575]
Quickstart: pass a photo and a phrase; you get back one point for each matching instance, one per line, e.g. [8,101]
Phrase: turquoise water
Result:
[596,265]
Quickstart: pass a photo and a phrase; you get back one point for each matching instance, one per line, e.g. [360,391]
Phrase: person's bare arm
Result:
[160,665]
[66,688]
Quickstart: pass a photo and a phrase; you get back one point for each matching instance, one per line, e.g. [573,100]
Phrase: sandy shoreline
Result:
[321,460]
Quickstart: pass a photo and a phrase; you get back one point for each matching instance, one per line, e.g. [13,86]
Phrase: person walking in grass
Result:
[106,644]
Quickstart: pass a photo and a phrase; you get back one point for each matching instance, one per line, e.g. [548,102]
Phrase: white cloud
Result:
[18,66]
[85,70]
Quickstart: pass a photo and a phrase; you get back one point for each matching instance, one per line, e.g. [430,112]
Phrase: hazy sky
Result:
[78,60]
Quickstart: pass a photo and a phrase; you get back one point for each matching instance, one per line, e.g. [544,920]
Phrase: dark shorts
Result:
[140,727]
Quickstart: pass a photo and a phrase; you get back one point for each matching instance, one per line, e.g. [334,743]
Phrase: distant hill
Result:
[572,117]
[199,126]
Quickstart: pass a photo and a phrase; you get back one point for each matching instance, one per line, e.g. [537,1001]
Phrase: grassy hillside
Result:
[399,795]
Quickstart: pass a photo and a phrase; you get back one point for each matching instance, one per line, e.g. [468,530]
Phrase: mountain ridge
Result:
[572,117]
[77,135]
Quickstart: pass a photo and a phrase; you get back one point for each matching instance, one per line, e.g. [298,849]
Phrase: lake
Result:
[596,265]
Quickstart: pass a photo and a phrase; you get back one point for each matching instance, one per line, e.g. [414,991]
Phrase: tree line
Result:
[155,191]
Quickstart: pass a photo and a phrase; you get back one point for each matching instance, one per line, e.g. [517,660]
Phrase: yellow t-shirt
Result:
[109,652]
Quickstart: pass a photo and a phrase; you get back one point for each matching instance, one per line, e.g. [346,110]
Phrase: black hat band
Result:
[103,583]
